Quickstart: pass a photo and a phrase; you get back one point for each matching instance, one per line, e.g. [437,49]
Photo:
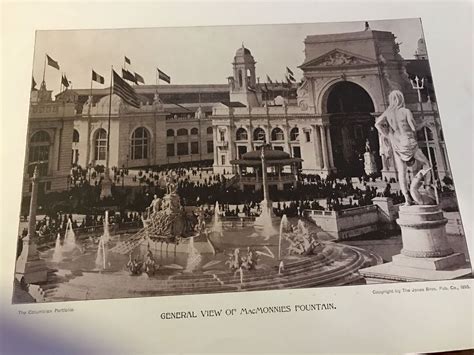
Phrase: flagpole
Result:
[61,83]
[108,122]
[91,82]
[106,190]
[44,68]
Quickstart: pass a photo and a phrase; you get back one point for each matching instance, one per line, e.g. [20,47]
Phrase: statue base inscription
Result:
[426,254]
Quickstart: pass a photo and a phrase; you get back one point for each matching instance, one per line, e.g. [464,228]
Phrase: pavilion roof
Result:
[254,162]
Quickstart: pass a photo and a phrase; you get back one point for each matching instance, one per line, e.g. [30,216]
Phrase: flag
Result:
[33,84]
[291,78]
[163,76]
[250,88]
[125,91]
[64,81]
[127,61]
[289,71]
[52,62]
[139,79]
[97,78]
[128,76]
[269,80]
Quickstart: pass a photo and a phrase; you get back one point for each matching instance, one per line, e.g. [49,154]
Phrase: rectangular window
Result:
[278,148]
[210,146]
[241,150]
[48,185]
[183,148]
[194,147]
[296,152]
[170,150]
[222,159]
[308,136]
[222,135]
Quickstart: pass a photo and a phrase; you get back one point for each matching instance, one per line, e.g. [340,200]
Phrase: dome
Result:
[270,154]
[242,51]
[103,104]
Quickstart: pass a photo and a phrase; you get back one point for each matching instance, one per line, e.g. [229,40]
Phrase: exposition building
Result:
[326,121]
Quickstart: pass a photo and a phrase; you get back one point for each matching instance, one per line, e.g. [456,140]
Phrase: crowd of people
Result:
[198,186]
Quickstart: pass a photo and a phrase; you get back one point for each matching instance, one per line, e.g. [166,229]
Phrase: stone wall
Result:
[352,222]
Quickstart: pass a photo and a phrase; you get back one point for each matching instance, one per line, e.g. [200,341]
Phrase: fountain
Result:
[106,235]
[69,237]
[266,218]
[217,227]
[58,250]
[301,242]
[171,224]
[196,266]
[194,258]
[101,259]
[283,228]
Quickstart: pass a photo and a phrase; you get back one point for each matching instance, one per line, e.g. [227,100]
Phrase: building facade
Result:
[346,81]
[49,141]
[327,119]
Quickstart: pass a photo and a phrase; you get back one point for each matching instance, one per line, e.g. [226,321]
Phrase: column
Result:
[324,144]
[287,140]
[317,146]
[216,158]
[30,268]
[331,158]
[54,159]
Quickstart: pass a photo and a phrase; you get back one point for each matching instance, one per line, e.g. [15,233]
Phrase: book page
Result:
[274,183]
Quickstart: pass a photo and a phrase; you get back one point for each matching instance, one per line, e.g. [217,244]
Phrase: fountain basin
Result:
[202,244]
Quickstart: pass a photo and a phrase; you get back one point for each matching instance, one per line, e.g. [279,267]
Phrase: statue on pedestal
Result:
[398,127]
[370,167]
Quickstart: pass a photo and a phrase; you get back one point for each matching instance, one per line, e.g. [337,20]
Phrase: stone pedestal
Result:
[29,266]
[370,167]
[426,254]
[106,188]
[388,213]
[423,232]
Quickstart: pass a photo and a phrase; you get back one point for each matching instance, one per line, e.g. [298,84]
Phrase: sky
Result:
[192,55]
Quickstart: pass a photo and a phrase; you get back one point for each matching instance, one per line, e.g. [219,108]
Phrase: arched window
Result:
[294,133]
[100,144]
[240,78]
[38,154]
[75,136]
[258,134]
[182,132]
[169,133]
[420,135]
[194,131]
[139,144]
[241,134]
[277,134]
[209,130]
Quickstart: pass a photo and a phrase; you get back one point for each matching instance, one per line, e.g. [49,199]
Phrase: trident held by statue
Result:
[418,86]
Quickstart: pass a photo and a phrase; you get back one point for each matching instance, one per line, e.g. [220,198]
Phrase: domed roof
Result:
[242,51]
[270,154]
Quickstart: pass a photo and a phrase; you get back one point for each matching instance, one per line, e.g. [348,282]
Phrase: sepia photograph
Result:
[196,160]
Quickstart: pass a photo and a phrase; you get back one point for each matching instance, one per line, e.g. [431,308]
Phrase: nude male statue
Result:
[398,127]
